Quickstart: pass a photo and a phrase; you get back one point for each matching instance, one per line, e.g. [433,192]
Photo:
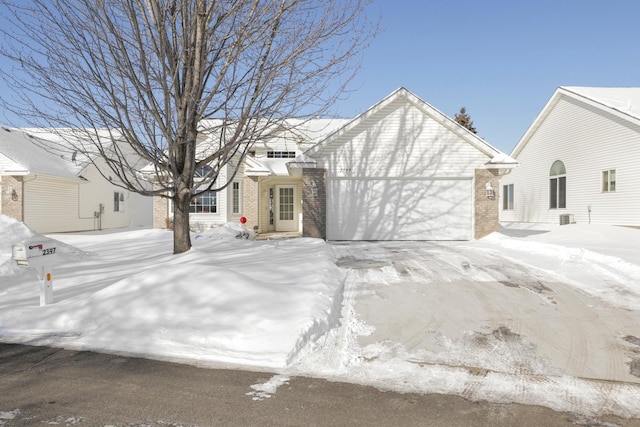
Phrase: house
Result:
[402,170]
[265,189]
[578,160]
[53,190]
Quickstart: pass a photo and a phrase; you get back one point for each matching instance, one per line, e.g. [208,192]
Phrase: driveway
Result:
[457,305]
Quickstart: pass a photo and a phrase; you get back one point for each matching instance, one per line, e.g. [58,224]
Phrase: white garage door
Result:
[399,209]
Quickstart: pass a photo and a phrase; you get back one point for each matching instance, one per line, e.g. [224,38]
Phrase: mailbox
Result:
[34,252]
[39,255]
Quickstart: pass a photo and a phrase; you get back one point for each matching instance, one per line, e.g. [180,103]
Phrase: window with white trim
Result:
[118,201]
[235,197]
[206,202]
[281,154]
[609,181]
[507,197]
[557,186]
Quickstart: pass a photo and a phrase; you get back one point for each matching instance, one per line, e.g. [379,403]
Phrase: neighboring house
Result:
[53,191]
[578,161]
[400,171]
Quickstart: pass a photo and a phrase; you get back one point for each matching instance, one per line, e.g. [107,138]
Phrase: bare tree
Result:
[151,72]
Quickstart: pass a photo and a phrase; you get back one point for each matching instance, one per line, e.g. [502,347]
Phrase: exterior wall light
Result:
[490,193]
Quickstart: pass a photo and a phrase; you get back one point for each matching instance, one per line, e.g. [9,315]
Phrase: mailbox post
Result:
[39,255]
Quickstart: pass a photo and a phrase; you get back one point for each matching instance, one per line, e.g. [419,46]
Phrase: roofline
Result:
[536,122]
[427,108]
[602,106]
[14,172]
[557,95]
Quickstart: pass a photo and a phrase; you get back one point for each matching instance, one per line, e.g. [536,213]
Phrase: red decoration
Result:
[243,220]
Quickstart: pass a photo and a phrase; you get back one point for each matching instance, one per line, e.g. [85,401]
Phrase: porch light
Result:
[490,192]
[12,193]
[314,189]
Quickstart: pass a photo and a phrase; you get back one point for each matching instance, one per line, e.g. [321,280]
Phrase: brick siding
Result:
[12,196]
[486,209]
[249,208]
[314,207]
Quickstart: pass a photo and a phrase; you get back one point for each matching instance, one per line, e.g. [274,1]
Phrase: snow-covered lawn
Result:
[545,317]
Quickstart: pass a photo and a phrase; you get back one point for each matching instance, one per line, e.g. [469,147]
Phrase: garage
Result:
[402,170]
[399,209]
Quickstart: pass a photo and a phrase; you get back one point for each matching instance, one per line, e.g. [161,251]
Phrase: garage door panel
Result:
[397,209]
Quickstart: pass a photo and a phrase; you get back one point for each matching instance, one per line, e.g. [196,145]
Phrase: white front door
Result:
[286,208]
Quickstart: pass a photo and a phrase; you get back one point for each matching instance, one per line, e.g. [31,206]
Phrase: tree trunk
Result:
[181,231]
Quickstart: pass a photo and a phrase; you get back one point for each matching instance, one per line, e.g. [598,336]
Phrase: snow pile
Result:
[230,230]
[12,231]
[227,300]
[528,315]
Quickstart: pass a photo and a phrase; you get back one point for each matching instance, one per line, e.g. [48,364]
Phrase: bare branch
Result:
[150,73]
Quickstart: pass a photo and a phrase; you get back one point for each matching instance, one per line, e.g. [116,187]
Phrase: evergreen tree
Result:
[463,119]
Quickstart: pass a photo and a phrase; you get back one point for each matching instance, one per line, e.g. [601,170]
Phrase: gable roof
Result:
[498,158]
[623,102]
[301,133]
[27,154]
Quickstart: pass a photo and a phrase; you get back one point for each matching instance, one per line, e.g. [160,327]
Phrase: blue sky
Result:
[502,60]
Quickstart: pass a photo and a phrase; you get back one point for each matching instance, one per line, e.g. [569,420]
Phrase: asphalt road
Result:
[41,385]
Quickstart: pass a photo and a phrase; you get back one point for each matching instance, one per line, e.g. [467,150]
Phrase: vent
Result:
[566,219]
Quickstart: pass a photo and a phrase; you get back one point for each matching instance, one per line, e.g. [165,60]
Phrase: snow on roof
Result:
[36,156]
[303,133]
[623,99]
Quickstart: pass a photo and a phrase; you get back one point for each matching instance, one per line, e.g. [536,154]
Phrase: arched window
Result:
[557,186]
[202,171]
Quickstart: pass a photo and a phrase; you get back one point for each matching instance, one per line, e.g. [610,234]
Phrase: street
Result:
[41,385]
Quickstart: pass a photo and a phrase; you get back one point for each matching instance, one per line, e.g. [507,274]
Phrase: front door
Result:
[286,211]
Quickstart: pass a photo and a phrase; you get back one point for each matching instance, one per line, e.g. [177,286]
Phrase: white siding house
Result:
[404,171]
[57,192]
[579,160]
[265,189]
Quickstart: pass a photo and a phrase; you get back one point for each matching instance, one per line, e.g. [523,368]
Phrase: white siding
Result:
[588,141]
[401,141]
[60,205]
[400,175]
[135,210]
[52,205]
[399,209]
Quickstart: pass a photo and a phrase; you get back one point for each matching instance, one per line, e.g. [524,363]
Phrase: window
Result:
[204,203]
[281,154]
[235,197]
[118,201]
[507,197]
[202,171]
[609,181]
[557,186]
